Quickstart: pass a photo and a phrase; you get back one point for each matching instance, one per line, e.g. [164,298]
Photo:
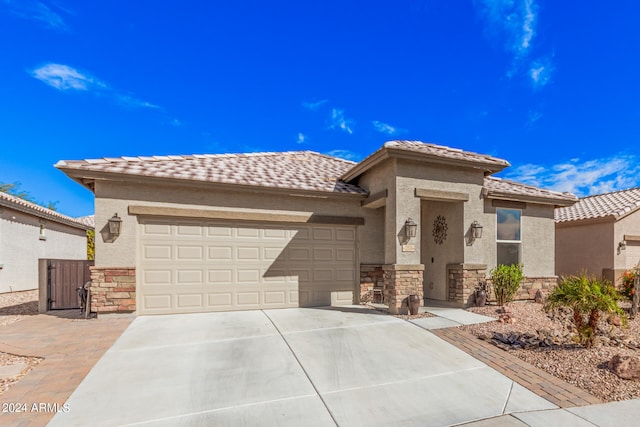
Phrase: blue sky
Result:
[550,86]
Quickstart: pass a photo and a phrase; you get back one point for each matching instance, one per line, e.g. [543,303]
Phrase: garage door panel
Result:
[220,276]
[248,298]
[190,277]
[249,253]
[157,252]
[219,231]
[219,253]
[157,302]
[242,232]
[189,230]
[346,234]
[247,277]
[188,301]
[211,266]
[219,300]
[189,253]
[156,229]
[322,233]
[157,277]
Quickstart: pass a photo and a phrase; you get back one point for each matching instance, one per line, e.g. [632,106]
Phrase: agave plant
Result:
[588,297]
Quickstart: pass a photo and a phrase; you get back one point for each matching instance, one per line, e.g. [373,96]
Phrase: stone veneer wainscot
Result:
[113,289]
[400,281]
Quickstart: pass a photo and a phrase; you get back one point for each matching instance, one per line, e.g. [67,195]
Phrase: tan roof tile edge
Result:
[12,202]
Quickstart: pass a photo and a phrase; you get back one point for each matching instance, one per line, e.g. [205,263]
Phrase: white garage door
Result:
[190,267]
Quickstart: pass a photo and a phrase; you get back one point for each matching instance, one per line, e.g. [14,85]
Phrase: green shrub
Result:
[588,297]
[506,282]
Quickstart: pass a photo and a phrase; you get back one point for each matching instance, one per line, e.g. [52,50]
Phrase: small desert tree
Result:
[506,282]
[588,297]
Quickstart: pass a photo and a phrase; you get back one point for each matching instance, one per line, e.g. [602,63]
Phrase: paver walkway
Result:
[555,390]
[70,346]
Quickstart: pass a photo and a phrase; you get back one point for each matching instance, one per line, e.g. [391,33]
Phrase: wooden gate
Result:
[63,279]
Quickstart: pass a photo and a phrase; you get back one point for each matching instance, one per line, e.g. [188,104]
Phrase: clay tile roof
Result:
[445,152]
[12,202]
[615,204]
[89,220]
[296,170]
[504,189]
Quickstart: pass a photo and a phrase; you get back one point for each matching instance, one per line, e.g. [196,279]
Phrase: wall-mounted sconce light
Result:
[622,246]
[476,230]
[410,228]
[115,223]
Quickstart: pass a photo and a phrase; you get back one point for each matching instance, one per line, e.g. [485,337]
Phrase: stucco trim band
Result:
[375,201]
[305,218]
[403,267]
[428,194]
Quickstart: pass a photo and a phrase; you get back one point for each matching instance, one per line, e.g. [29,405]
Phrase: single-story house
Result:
[599,234]
[271,230]
[29,232]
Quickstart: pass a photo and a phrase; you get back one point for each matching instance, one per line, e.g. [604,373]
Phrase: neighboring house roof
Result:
[89,220]
[296,170]
[497,188]
[430,152]
[614,205]
[12,202]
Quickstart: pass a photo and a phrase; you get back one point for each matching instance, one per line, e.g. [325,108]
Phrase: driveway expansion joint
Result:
[303,369]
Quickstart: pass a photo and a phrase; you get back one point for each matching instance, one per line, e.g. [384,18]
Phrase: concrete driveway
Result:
[311,367]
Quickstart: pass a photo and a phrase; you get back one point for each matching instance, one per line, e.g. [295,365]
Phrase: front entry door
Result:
[442,243]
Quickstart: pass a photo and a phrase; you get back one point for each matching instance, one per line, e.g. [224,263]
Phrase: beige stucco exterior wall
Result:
[116,197]
[586,247]
[630,226]
[537,236]
[381,178]
[21,247]
[412,175]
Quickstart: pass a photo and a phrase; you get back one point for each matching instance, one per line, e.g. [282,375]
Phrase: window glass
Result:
[508,224]
[508,253]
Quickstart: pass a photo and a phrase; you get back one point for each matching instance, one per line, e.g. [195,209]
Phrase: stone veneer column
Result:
[400,281]
[463,280]
[371,275]
[113,289]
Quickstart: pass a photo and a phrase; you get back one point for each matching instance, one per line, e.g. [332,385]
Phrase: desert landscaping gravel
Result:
[585,368]
[16,306]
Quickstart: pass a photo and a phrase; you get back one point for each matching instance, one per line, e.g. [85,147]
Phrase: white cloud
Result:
[66,78]
[511,21]
[314,106]
[534,116]
[583,178]
[386,128]
[540,72]
[338,121]
[37,11]
[301,138]
[63,77]
[345,154]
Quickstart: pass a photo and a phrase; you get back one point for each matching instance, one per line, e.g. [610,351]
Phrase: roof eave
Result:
[556,202]
[44,215]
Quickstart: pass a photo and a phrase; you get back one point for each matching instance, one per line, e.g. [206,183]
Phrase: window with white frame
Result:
[509,236]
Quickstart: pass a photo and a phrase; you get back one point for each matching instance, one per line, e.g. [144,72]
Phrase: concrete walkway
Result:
[70,346]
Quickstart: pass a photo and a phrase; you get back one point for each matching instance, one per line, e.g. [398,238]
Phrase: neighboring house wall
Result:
[113,197]
[21,245]
[628,258]
[585,247]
